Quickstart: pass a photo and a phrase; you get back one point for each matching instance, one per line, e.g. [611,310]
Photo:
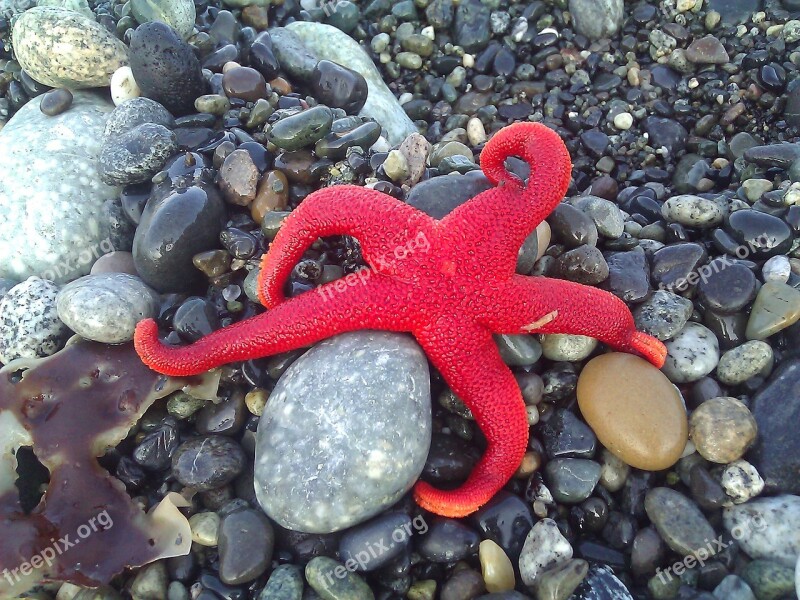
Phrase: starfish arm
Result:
[379,222]
[500,219]
[375,302]
[539,305]
[469,361]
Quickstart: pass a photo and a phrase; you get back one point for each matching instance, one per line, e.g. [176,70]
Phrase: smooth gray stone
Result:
[51,197]
[678,520]
[106,307]
[345,432]
[329,43]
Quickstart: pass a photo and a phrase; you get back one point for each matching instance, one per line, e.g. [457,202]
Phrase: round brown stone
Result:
[245,83]
[273,194]
[634,410]
[722,429]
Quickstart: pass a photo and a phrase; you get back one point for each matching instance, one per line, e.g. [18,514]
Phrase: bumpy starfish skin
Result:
[451,283]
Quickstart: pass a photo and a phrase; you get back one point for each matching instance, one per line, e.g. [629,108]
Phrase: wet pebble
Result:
[584,264]
[244,83]
[606,216]
[106,307]
[726,287]
[238,178]
[172,230]
[693,211]
[302,129]
[376,543]
[777,306]
[246,541]
[337,86]
[447,541]
[206,463]
[572,480]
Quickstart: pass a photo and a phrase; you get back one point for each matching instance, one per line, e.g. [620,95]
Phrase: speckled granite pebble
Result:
[332,448]
[767,528]
[53,202]
[63,48]
[744,362]
[29,323]
[692,354]
[106,307]
[663,314]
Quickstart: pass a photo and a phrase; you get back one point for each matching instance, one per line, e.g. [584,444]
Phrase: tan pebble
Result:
[256,400]
[204,527]
[498,573]
[634,410]
[722,429]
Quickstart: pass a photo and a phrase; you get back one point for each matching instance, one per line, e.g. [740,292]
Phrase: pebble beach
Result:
[151,151]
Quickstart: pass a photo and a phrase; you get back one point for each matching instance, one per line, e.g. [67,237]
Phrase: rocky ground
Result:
[151,150]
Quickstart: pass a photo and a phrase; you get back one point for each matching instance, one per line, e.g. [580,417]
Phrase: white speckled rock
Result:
[741,481]
[330,43]
[64,48]
[693,211]
[345,433]
[544,547]
[767,528]
[51,197]
[123,86]
[563,346]
[29,323]
[797,577]
[744,362]
[106,307]
[692,354]
[663,314]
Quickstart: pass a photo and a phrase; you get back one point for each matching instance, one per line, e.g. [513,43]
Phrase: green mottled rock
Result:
[558,582]
[331,44]
[303,129]
[178,14]
[285,583]
[769,580]
[63,48]
[332,581]
[776,307]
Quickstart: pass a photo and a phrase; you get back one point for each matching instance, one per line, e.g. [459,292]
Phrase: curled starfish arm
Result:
[378,221]
[372,303]
[498,220]
[476,373]
[539,305]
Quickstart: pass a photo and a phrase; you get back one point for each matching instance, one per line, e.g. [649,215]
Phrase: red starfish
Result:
[451,283]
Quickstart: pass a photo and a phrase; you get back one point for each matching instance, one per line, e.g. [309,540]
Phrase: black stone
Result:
[339,87]
[165,67]
[672,265]
[776,408]
[376,543]
[171,231]
[666,132]
[262,56]
[448,541]
[208,462]
[155,450]
[246,543]
[565,435]
[760,234]
[726,286]
[628,275]
[506,520]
